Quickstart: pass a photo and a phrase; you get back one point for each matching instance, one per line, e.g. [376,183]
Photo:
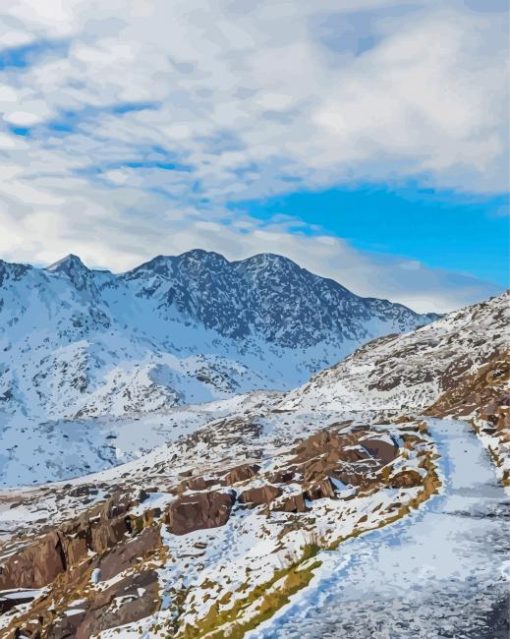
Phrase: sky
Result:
[365,139]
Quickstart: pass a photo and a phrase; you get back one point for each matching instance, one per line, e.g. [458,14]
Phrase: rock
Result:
[128,600]
[283,476]
[380,449]
[261,495]
[79,491]
[199,511]
[199,483]
[241,473]
[106,533]
[406,479]
[320,490]
[65,626]
[291,504]
[34,566]
[125,555]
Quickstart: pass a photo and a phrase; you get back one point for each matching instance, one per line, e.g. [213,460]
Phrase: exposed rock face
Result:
[125,555]
[260,495]
[39,563]
[139,597]
[320,489]
[350,458]
[35,566]
[199,511]
[380,449]
[199,483]
[241,473]
[292,504]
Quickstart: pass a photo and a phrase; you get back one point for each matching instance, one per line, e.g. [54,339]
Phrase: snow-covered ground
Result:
[56,450]
[443,571]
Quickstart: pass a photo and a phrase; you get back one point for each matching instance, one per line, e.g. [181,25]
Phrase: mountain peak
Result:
[67,264]
[72,267]
[201,255]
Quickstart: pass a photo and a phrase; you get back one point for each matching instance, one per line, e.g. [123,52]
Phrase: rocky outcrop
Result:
[408,478]
[35,565]
[130,599]
[125,555]
[199,511]
[320,489]
[380,449]
[39,562]
[261,495]
[291,504]
[241,473]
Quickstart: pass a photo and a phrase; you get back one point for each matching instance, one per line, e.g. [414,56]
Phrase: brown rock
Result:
[380,449]
[106,533]
[132,598]
[241,473]
[125,555]
[320,489]
[199,483]
[199,511]
[34,566]
[406,479]
[291,504]
[283,476]
[261,495]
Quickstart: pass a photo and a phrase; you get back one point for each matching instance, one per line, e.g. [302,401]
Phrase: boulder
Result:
[320,490]
[291,504]
[406,479]
[241,473]
[380,449]
[260,495]
[198,512]
[128,600]
[127,554]
[199,483]
[35,565]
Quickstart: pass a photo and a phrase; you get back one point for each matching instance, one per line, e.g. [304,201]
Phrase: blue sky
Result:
[443,229]
[367,140]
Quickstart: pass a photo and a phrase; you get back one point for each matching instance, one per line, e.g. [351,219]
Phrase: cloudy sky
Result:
[366,139]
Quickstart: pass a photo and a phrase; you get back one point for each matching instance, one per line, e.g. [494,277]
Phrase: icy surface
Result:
[443,571]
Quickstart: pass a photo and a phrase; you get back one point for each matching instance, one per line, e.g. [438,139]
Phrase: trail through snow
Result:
[443,571]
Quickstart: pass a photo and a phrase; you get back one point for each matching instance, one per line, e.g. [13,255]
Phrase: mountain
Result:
[411,371]
[79,342]
[214,530]
[458,366]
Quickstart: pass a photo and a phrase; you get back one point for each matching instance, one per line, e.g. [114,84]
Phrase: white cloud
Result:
[243,96]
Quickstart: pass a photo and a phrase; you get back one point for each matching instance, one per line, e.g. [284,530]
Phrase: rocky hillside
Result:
[77,342]
[208,534]
[206,537]
[458,366]
[412,371]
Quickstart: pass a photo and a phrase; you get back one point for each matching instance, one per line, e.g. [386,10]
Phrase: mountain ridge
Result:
[176,329]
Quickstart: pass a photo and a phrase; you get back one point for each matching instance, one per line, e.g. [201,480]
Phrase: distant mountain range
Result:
[189,328]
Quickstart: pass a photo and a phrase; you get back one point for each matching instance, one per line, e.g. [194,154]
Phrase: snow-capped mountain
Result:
[412,371]
[190,328]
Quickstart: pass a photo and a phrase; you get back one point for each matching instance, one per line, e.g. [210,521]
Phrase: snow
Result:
[432,571]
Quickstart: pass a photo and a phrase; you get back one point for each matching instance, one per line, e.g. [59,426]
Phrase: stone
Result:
[260,495]
[199,511]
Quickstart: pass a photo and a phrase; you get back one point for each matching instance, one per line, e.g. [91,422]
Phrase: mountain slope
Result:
[77,342]
[412,371]
[458,366]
